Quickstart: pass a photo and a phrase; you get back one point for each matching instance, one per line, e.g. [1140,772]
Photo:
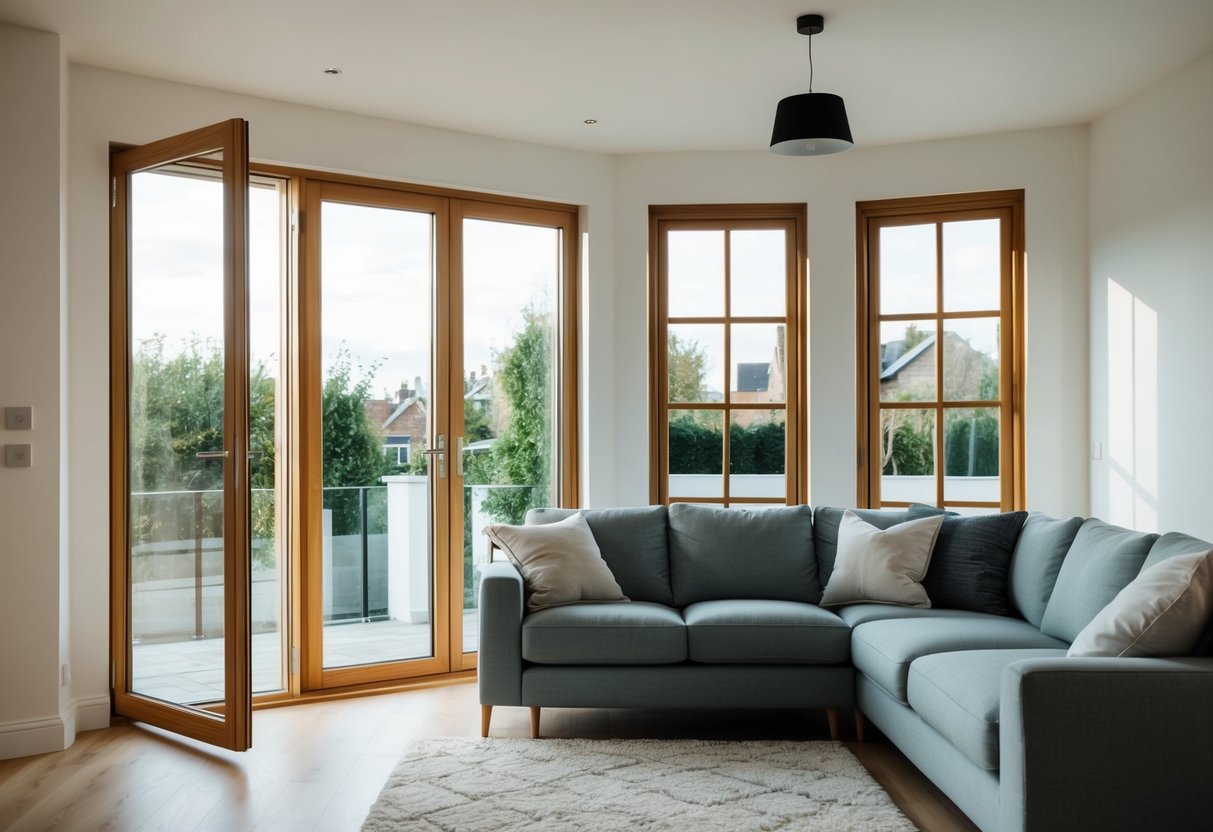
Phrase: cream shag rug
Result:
[457,783]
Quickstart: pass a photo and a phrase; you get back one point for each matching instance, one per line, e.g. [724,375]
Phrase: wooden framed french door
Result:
[180,454]
[438,381]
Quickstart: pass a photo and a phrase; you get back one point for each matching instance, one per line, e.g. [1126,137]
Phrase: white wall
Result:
[1051,165]
[1151,279]
[30,309]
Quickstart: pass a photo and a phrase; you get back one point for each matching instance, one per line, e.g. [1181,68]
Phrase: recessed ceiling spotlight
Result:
[332,70]
[591,121]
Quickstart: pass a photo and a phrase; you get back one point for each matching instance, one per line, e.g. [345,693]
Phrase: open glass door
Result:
[180,490]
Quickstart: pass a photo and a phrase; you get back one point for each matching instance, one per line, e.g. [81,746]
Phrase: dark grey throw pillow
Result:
[972,561]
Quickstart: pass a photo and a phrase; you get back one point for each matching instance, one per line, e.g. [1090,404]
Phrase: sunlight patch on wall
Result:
[1132,410]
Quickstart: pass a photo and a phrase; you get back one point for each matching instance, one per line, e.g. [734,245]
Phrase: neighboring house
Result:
[402,420]
[909,374]
[761,381]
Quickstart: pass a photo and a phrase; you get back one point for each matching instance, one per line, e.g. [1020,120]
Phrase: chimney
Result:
[402,394]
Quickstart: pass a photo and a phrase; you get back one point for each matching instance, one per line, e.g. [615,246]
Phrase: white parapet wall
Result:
[408,546]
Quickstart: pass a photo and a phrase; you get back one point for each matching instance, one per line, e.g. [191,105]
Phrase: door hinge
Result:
[113,192]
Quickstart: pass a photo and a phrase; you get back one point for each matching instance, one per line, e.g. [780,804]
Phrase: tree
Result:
[687,362]
[522,453]
[352,447]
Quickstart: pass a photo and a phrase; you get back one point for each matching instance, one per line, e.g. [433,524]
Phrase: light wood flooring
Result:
[320,766]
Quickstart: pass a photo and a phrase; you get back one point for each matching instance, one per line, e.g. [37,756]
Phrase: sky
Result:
[376,268]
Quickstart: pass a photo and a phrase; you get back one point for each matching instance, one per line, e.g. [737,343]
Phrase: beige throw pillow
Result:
[560,562]
[882,566]
[1161,613]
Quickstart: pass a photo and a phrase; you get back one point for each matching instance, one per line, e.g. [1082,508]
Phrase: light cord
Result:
[810,62]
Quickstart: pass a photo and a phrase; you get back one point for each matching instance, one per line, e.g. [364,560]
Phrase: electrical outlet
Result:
[16,456]
[18,418]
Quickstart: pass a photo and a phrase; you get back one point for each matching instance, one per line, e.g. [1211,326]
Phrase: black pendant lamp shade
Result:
[811,123]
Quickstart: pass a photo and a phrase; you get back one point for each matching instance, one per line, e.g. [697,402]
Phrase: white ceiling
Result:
[658,75]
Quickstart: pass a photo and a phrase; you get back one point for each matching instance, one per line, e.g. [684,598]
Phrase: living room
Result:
[1119,203]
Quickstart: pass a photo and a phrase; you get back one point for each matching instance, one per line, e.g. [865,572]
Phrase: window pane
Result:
[376,274]
[970,359]
[176,412]
[907,361]
[511,282]
[696,273]
[756,453]
[696,362]
[970,443]
[971,272]
[907,455]
[759,353]
[758,272]
[696,442]
[907,269]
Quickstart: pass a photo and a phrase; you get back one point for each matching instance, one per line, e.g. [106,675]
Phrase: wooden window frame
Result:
[873,215]
[792,218]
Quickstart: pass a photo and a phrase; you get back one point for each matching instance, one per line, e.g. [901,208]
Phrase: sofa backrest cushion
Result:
[1038,556]
[971,561]
[826,520]
[1101,562]
[1168,546]
[720,553]
[632,542]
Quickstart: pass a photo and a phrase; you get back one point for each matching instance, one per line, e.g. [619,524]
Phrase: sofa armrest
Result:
[1094,743]
[499,666]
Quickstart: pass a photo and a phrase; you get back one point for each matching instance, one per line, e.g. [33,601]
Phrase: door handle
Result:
[439,452]
[211,455]
[459,455]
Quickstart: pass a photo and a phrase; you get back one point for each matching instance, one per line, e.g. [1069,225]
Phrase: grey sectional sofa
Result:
[724,614]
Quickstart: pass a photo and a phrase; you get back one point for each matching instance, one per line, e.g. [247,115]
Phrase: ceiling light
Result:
[811,123]
[332,70]
[591,121]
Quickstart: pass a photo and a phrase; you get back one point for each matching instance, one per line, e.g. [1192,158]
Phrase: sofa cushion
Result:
[884,650]
[856,614]
[958,695]
[1168,546]
[560,563]
[883,566]
[633,633]
[1038,556]
[633,544]
[971,561]
[1160,613]
[825,532]
[765,632]
[728,553]
[1101,562]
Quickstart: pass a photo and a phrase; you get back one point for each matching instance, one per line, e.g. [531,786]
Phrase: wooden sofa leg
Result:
[534,723]
[861,723]
[832,716]
[486,715]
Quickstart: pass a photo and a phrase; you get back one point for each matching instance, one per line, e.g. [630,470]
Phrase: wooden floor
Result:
[320,766]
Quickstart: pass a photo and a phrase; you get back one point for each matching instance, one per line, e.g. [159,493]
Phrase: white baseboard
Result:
[26,737]
[21,738]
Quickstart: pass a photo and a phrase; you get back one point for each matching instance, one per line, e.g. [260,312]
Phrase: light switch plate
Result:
[16,456]
[18,418]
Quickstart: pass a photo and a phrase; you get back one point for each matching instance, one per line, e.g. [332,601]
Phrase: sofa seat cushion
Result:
[957,694]
[884,650]
[765,632]
[856,614]
[619,633]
